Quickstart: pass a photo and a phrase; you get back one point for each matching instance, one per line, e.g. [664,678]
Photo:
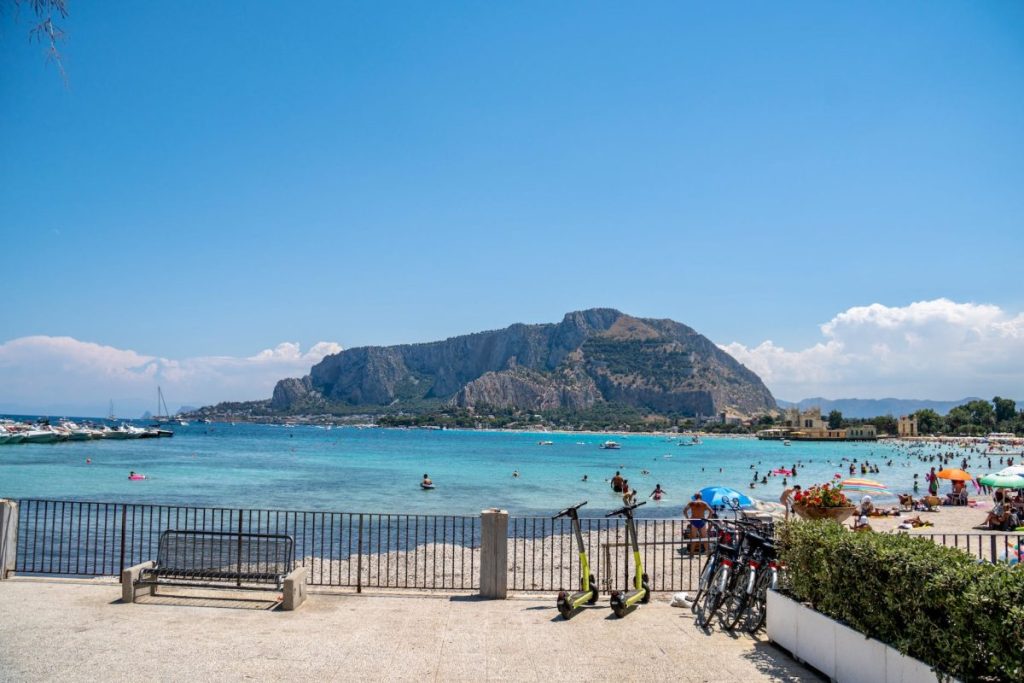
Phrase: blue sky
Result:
[216,179]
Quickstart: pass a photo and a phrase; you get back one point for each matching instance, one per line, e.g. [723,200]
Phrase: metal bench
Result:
[220,559]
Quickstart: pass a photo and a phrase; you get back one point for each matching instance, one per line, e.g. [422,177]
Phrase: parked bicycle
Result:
[744,601]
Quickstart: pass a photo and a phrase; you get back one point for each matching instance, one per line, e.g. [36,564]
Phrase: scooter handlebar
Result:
[625,509]
[569,509]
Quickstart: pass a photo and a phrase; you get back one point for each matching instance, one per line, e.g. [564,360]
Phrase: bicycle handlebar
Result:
[626,509]
[569,509]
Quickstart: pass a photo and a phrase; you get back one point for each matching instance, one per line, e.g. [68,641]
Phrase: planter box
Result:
[838,651]
[836,514]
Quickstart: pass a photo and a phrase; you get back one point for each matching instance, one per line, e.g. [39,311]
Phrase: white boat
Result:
[40,436]
[786,443]
[611,446]
[545,443]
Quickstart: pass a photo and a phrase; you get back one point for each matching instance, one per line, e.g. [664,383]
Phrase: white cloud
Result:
[938,349]
[63,375]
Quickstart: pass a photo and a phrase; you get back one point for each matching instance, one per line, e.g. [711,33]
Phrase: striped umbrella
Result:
[865,486]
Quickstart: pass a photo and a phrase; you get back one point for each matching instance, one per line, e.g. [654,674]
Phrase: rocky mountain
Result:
[593,356]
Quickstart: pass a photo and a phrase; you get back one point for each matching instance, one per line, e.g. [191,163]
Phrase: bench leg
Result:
[294,589]
[129,577]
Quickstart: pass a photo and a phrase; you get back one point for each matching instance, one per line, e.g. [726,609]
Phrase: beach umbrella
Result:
[1003,481]
[953,475]
[1012,470]
[865,486]
[721,496]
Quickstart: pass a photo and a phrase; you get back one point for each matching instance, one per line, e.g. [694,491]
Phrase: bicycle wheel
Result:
[736,599]
[713,597]
[753,617]
[703,581]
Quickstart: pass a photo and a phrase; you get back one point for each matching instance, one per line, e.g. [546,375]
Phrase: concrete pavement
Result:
[68,630]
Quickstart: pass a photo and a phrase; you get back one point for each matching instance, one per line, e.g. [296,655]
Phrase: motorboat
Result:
[40,436]
[610,446]
[545,443]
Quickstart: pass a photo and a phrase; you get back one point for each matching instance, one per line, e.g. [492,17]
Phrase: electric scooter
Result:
[625,602]
[570,603]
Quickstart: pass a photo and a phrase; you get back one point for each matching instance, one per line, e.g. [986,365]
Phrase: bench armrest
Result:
[129,577]
[294,593]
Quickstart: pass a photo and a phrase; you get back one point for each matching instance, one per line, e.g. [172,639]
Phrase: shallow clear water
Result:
[378,470]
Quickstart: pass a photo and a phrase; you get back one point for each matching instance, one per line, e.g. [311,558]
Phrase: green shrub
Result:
[937,604]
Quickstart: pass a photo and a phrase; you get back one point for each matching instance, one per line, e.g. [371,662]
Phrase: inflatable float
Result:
[426,487]
[782,471]
[136,477]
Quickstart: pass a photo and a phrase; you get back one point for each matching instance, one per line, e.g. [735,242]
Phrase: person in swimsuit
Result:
[426,481]
[657,493]
[617,483]
[698,512]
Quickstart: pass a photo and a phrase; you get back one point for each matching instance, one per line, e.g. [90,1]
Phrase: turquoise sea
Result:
[378,470]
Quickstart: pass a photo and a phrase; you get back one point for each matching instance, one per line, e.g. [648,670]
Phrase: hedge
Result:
[939,605]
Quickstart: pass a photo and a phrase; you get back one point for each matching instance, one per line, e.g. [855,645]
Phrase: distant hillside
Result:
[591,357]
[873,407]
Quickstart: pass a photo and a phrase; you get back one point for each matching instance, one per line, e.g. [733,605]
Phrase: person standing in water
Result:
[617,482]
[426,483]
[657,493]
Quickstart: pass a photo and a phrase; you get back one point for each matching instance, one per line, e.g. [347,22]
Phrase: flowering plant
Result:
[822,496]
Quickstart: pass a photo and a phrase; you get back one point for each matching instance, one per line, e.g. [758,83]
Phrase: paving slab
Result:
[80,631]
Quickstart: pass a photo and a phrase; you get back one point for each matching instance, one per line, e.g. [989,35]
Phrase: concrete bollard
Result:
[494,554]
[8,537]
[294,593]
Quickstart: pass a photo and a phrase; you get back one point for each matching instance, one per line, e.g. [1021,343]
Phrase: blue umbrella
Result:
[721,497]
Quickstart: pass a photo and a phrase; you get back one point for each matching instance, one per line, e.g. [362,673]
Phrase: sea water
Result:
[347,469]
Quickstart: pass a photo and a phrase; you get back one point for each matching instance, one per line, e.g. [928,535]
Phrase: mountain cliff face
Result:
[591,356]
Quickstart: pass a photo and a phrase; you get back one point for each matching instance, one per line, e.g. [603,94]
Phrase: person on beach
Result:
[617,482]
[657,493]
[787,498]
[698,512]
[933,482]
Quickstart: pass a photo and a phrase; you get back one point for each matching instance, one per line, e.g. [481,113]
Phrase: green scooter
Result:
[625,602]
[570,603]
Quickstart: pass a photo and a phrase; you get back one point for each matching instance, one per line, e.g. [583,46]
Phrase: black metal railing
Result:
[543,555]
[360,550]
[990,547]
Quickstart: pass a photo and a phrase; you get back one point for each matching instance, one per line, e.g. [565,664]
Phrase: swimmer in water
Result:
[657,493]
[515,474]
[584,478]
[426,481]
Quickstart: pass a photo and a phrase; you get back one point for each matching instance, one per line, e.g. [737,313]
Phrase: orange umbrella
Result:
[955,475]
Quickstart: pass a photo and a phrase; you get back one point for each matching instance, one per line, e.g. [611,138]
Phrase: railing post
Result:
[359,551]
[239,570]
[8,537]
[494,554]
[124,525]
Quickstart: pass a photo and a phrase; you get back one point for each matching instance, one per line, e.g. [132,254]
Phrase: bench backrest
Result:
[199,553]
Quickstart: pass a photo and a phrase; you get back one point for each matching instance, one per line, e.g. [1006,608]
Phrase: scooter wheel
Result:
[564,608]
[618,606]
[593,591]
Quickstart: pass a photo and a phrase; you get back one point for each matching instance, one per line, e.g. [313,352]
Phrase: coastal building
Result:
[907,425]
[861,433]
[809,425]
